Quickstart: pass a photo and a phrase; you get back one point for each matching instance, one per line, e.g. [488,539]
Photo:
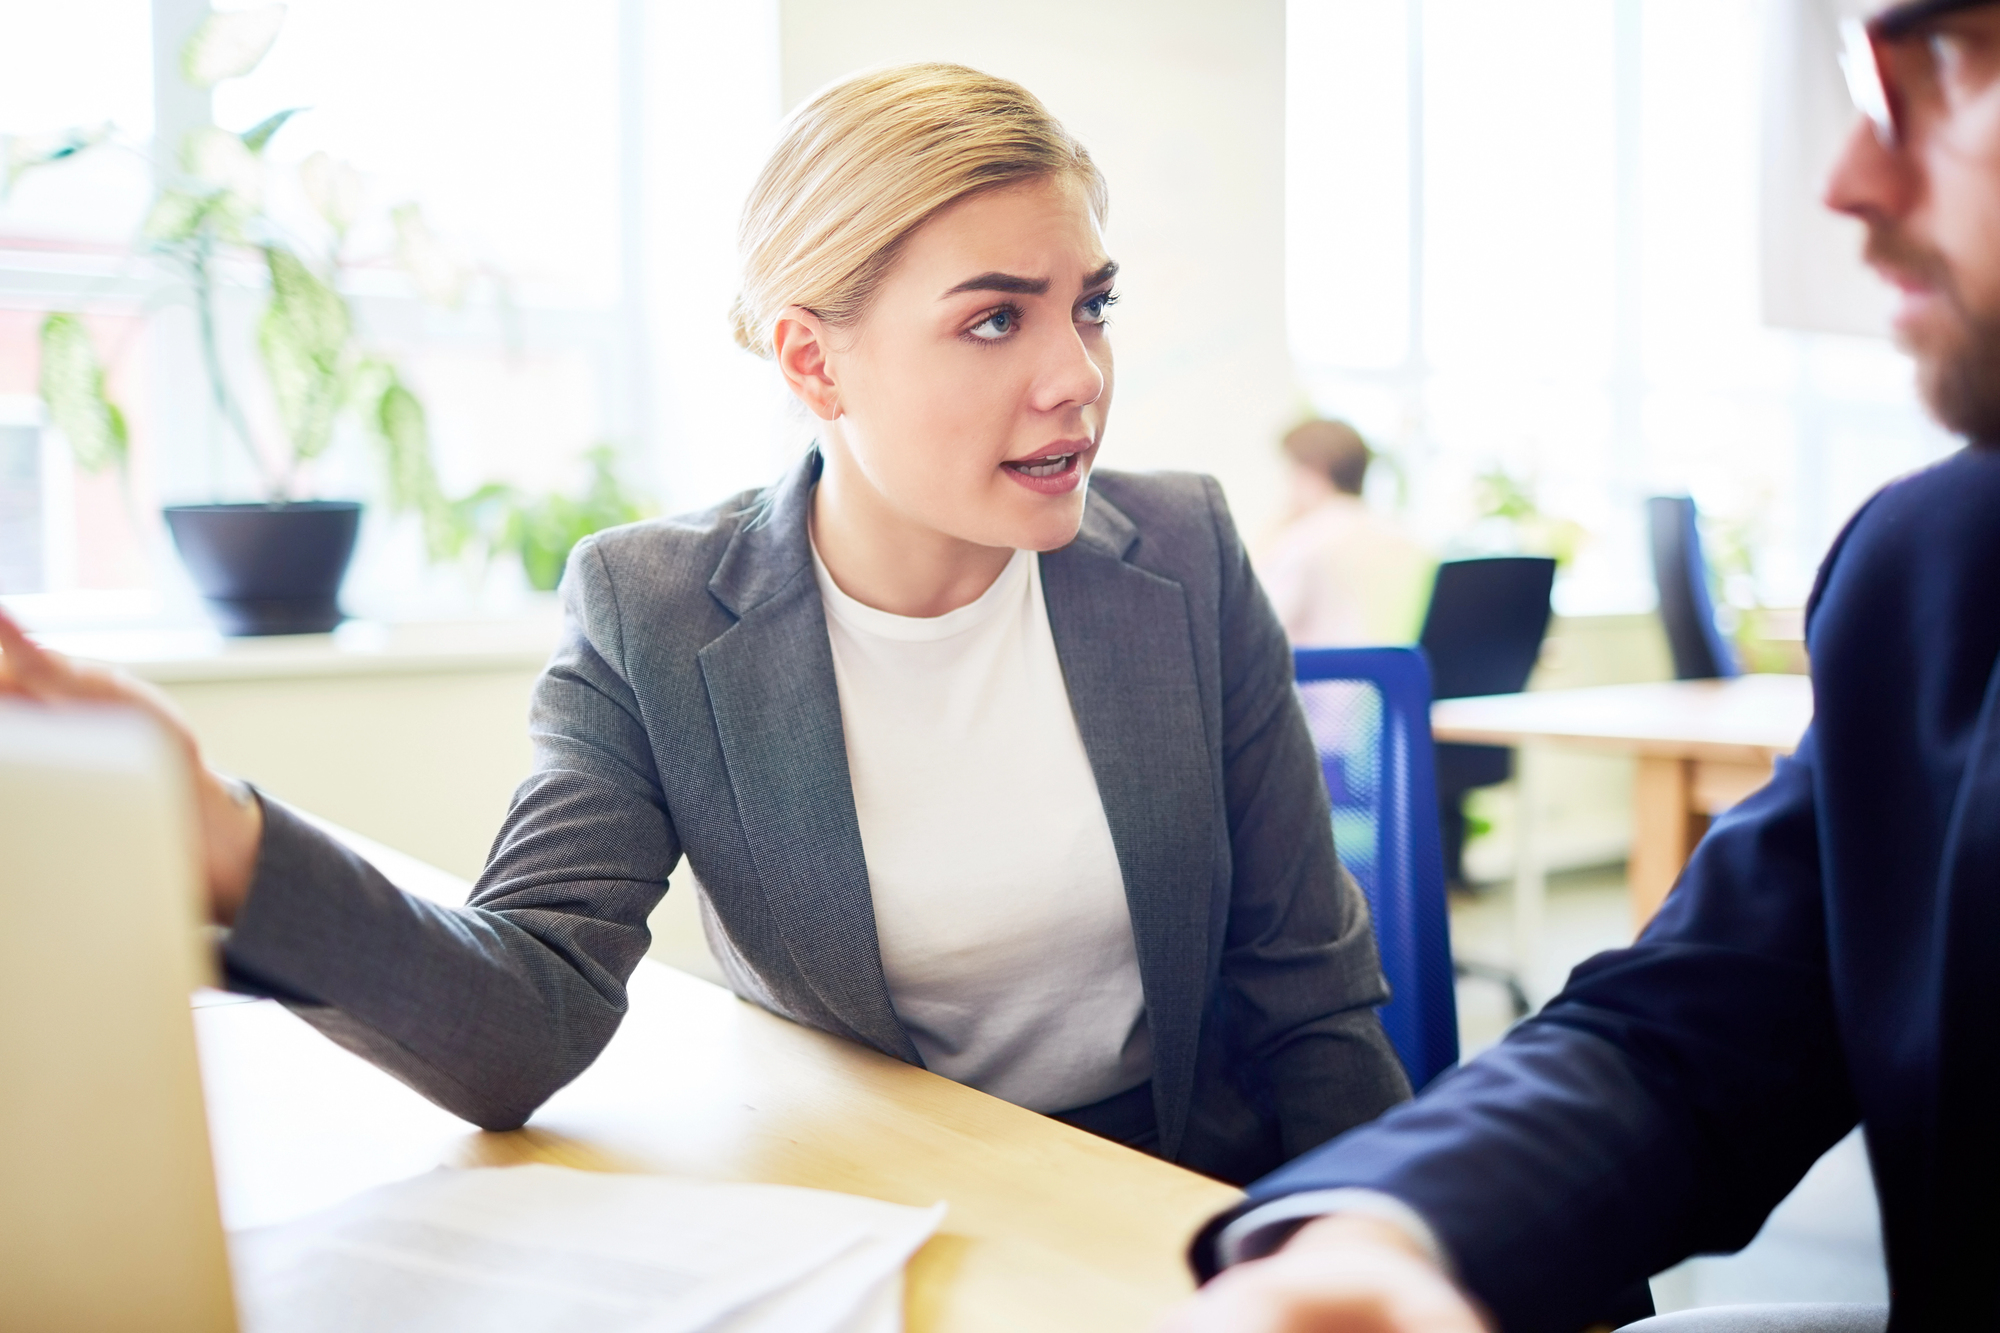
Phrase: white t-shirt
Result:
[999,905]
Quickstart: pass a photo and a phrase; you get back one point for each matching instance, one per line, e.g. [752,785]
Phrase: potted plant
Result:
[541,530]
[272,566]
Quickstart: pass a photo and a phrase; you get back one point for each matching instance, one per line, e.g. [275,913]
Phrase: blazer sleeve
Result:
[1659,1107]
[488,1008]
[1300,972]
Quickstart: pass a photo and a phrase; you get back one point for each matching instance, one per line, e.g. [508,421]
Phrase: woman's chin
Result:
[1055,525]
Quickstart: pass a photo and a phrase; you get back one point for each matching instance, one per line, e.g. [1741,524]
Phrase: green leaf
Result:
[404,432]
[258,135]
[72,384]
[304,339]
[334,189]
[176,215]
[224,164]
[440,273]
[543,531]
[310,304]
[22,153]
[230,44]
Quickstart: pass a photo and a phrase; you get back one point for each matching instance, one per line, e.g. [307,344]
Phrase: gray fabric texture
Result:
[1768,1319]
[691,711]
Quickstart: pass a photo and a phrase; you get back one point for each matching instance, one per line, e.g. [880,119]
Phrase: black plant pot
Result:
[268,568]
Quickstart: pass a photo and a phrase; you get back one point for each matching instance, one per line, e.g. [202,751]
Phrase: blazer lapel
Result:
[771,688]
[1127,650]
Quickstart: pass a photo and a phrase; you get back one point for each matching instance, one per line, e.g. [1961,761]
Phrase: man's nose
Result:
[1870,180]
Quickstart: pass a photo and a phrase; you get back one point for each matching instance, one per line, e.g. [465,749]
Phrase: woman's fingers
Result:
[26,668]
[30,671]
[231,822]
[44,674]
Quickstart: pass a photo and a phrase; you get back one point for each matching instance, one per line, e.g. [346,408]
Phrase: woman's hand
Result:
[1341,1274]
[231,820]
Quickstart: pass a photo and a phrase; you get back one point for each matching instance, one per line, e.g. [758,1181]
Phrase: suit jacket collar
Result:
[1105,530]
[1126,645]
[773,545]
[1126,642]
[776,707]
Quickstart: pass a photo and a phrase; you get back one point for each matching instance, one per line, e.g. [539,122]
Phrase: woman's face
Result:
[971,397]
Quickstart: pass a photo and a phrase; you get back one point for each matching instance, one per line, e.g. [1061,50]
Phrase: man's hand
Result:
[231,820]
[1340,1274]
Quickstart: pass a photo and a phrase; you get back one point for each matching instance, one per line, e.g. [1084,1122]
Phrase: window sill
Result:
[168,653]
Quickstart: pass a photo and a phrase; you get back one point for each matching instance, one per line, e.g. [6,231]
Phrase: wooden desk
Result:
[1702,746]
[1049,1228]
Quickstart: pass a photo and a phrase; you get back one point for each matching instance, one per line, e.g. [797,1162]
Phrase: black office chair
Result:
[1482,634]
[1686,609]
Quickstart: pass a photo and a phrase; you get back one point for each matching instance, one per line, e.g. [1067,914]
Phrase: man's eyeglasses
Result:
[1871,78]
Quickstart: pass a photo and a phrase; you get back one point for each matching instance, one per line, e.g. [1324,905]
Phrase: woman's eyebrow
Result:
[1002,282]
[1020,286]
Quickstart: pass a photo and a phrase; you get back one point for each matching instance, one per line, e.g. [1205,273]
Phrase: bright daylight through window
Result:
[456,181]
[1523,258]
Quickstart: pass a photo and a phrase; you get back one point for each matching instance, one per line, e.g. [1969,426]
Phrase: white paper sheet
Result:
[537,1249]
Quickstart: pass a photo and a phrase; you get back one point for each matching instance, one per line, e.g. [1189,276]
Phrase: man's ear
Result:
[800,344]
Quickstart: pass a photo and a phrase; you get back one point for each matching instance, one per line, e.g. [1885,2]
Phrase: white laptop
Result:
[108,1216]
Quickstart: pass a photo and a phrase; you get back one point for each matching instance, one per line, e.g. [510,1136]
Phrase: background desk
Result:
[1701,745]
[1049,1228]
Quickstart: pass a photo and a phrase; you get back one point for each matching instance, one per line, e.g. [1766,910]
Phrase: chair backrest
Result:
[1485,625]
[1679,569]
[1369,713]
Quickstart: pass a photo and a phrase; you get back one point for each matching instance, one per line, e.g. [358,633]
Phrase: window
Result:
[63,234]
[506,134]
[24,558]
[1524,238]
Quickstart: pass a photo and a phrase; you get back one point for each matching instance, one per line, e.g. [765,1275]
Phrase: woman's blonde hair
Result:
[868,161]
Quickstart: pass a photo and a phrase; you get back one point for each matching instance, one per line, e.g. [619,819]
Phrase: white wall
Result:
[1182,103]
[1813,277]
[423,760]
[710,109]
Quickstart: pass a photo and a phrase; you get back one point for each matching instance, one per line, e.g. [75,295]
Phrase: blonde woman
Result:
[983,758]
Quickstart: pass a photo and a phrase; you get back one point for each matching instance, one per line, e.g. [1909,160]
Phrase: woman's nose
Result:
[1070,375]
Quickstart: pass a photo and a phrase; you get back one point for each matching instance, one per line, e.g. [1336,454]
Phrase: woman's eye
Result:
[996,325]
[1094,309]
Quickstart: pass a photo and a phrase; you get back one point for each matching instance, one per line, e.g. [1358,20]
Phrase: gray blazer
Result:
[691,711]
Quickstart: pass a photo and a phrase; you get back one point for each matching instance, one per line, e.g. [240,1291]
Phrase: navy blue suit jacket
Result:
[1831,954]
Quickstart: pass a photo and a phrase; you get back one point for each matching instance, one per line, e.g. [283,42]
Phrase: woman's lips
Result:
[1050,473]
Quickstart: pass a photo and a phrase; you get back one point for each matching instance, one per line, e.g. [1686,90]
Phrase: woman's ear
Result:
[800,344]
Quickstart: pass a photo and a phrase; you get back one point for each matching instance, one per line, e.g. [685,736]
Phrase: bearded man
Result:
[1832,952]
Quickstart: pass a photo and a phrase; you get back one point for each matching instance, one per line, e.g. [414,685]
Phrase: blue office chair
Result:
[1369,713]
[1700,649]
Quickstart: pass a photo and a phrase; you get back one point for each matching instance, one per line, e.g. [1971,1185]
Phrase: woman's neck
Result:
[883,559]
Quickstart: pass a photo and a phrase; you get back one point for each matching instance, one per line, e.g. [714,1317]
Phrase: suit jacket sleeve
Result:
[1300,971]
[489,1008]
[1660,1106]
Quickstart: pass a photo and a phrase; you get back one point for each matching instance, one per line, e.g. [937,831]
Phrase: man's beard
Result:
[1959,381]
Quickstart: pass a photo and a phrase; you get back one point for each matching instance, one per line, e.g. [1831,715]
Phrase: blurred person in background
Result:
[1831,954]
[1340,574]
[984,758]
